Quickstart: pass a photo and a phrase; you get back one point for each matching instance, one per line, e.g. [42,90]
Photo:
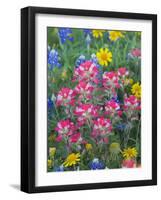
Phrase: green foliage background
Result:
[69,52]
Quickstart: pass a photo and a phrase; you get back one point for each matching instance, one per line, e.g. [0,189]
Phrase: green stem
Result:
[127,137]
[89,124]
[56,111]
[137,134]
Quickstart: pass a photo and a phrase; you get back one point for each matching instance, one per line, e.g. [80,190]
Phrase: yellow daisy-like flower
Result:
[136,90]
[97,33]
[88,146]
[72,159]
[114,35]
[130,153]
[104,56]
[50,163]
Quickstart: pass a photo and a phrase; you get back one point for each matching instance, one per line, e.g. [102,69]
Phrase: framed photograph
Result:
[88,99]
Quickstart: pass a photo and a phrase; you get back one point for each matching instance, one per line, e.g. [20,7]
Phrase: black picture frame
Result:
[28,98]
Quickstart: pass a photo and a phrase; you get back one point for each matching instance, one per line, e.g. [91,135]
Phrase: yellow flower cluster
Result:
[88,146]
[104,56]
[130,153]
[97,33]
[72,159]
[136,90]
[114,35]
[50,163]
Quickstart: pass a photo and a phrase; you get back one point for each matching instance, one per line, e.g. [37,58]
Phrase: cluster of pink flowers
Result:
[112,107]
[136,52]
[129,163]
[84,89]
[75,138]
[82,107]
[110,81]
[132,103]
[85,112]
[67,129]
[87,71]
[113,80]
[122,72]
[66,96]
[102,126]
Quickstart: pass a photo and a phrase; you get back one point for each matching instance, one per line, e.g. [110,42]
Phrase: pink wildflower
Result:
[111,81]
[87,71]
[132,103]
[59,138]
[119,112]
[84,89]
[84,141]
[75,138]
[101,126]
[81,121]
[111,107]
[128,163]
[65,127]
[136,52]
[122,72]
[86,110]
[105,140]
[65,97]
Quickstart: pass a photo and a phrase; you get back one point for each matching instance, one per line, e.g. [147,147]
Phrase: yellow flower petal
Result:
[104,56]
[136,90]
[97,33]
[114,35]
[72,159]
[129,153]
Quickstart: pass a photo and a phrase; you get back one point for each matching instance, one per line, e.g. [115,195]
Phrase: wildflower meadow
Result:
[94,99]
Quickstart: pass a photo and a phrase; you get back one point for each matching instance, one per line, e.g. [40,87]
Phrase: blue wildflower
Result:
[116,99]
[65,34]
[50,103]
[59,169]
[53,59]
[81,59]
[87,32]
[94,60]
[121,127]
[96,164]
